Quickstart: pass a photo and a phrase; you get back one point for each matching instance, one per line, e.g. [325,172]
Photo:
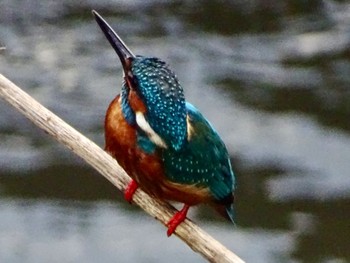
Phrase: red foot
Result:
[177,219]
[130,190]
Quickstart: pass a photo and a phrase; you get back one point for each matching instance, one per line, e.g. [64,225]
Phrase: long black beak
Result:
[122,50]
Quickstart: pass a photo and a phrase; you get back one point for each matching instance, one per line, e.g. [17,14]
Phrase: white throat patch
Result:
[151,134]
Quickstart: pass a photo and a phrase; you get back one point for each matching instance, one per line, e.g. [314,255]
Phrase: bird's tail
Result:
[230,213]
[227,211]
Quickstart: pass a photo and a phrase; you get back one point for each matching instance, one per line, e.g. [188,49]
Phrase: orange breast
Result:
[146,169]
[121,143]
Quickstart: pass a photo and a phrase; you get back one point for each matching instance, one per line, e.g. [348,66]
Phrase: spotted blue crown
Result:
[164,98]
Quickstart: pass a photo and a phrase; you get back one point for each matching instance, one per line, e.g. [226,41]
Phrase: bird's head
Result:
[152,93]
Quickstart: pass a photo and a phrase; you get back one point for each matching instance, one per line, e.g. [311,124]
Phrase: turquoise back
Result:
[203,160]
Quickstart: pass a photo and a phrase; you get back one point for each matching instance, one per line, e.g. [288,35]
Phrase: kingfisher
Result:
[169,149]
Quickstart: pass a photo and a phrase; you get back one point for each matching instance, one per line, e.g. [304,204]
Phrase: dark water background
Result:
[272,76]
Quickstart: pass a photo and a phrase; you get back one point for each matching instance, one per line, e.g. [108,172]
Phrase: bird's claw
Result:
[130,190]
[177,219]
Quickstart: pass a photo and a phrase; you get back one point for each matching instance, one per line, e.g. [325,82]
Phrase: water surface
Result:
[273,78]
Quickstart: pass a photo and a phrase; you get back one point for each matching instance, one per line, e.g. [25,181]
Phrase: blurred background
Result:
[272,76]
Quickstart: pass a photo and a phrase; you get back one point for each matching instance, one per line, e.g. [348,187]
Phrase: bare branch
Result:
[190,233]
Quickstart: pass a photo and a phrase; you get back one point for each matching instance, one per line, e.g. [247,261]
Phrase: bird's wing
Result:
[203,161]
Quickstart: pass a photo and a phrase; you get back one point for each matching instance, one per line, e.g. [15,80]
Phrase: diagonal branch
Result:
[190,233]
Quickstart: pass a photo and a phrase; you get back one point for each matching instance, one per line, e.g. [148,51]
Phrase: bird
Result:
[169,149]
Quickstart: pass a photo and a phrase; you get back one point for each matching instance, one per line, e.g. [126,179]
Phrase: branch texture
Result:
[190,233]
